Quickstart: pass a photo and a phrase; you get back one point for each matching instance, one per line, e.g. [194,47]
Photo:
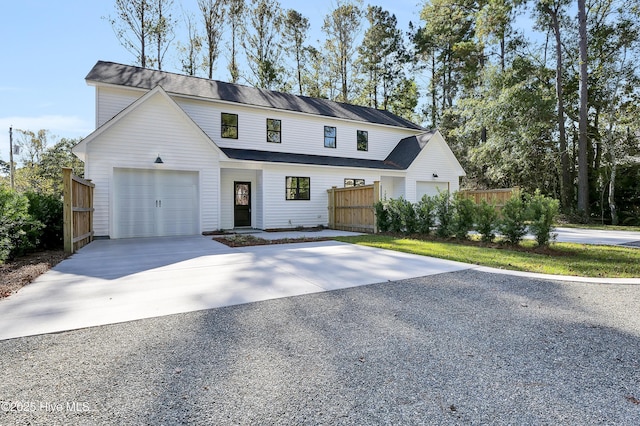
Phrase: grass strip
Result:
[558,259]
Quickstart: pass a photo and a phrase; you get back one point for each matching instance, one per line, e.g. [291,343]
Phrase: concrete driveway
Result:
[111,281]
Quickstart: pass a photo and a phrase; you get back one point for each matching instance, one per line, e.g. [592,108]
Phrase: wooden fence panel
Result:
[78,211]
[495,196]
[352,209]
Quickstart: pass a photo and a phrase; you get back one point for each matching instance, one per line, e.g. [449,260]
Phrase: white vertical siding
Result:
[153,128]
[392,187]
[259,204]
[227,179]
[156,126]
[434,158]
[282,213]
[301,133]
[111,100]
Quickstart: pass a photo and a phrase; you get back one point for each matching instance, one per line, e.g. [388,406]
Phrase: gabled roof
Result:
[142,78]
[408,149]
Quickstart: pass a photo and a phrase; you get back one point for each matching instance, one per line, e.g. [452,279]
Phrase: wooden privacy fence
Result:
[352,208]
[78,211]
[495,196]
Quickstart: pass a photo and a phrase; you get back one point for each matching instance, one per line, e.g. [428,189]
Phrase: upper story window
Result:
[363,140]
[329,137]
[274,130]
[229,127]
[350,182]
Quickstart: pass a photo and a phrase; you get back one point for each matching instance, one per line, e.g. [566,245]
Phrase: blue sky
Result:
[49,46]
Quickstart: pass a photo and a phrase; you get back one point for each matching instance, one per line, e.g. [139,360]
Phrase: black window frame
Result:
[355,182]
[334,137]
[274,132]
[366,141]
[294,192]
[226,127]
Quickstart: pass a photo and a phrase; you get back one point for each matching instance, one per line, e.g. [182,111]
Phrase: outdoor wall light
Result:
[158,160]
[435,175]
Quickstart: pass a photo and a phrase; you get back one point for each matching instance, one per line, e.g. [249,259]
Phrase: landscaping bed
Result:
[247,240]
[23,270]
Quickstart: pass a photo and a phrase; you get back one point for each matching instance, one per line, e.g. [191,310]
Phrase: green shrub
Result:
[409,218]
[541,212]
[513,225]
[382,216]
[425,214]
[444,214]
[47,209]
[463,216]
[395,211]
[19,232]
[486,221]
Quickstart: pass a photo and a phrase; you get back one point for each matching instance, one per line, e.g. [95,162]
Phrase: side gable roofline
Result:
[109,73]
[408,149]
[80,148]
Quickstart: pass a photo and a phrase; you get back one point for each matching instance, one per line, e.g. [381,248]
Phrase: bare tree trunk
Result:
[502,53]
[583,154]
[612,193]
[233,66]
[344,71]
[143,36]
[159,34]
[434,102]
[566,193]
[299,64]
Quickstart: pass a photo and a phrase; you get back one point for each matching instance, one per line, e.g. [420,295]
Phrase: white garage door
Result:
[155,203]
[430,188]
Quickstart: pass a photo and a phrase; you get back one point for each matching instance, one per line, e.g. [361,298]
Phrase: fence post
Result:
[332,207]
[91,188]
[376,198]
[67,212]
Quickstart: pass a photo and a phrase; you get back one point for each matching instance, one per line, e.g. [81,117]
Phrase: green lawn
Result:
[559,258]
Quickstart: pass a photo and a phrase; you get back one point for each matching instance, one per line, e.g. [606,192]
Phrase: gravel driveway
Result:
[458,348]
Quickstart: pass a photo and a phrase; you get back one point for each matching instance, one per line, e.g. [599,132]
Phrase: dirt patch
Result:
[299,228]
[247,240]
[20,272]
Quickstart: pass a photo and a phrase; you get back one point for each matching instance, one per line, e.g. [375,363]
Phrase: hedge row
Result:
[456,216]
[28,222]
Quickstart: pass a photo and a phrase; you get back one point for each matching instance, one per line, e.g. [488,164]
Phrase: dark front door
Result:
[242,204]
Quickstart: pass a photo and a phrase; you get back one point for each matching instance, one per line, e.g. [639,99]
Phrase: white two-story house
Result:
[181,155]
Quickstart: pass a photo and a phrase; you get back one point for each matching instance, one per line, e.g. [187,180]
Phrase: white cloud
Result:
[60,126]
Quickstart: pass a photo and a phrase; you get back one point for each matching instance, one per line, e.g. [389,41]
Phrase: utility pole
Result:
[11,171]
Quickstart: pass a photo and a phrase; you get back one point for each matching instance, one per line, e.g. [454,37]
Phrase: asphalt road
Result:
[463,347]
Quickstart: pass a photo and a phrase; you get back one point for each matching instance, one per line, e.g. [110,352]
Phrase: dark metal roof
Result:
[399,159]
[408,149]
[130,76]
[321,160]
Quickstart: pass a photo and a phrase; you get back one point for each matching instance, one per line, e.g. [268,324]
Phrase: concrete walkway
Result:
[111,281]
